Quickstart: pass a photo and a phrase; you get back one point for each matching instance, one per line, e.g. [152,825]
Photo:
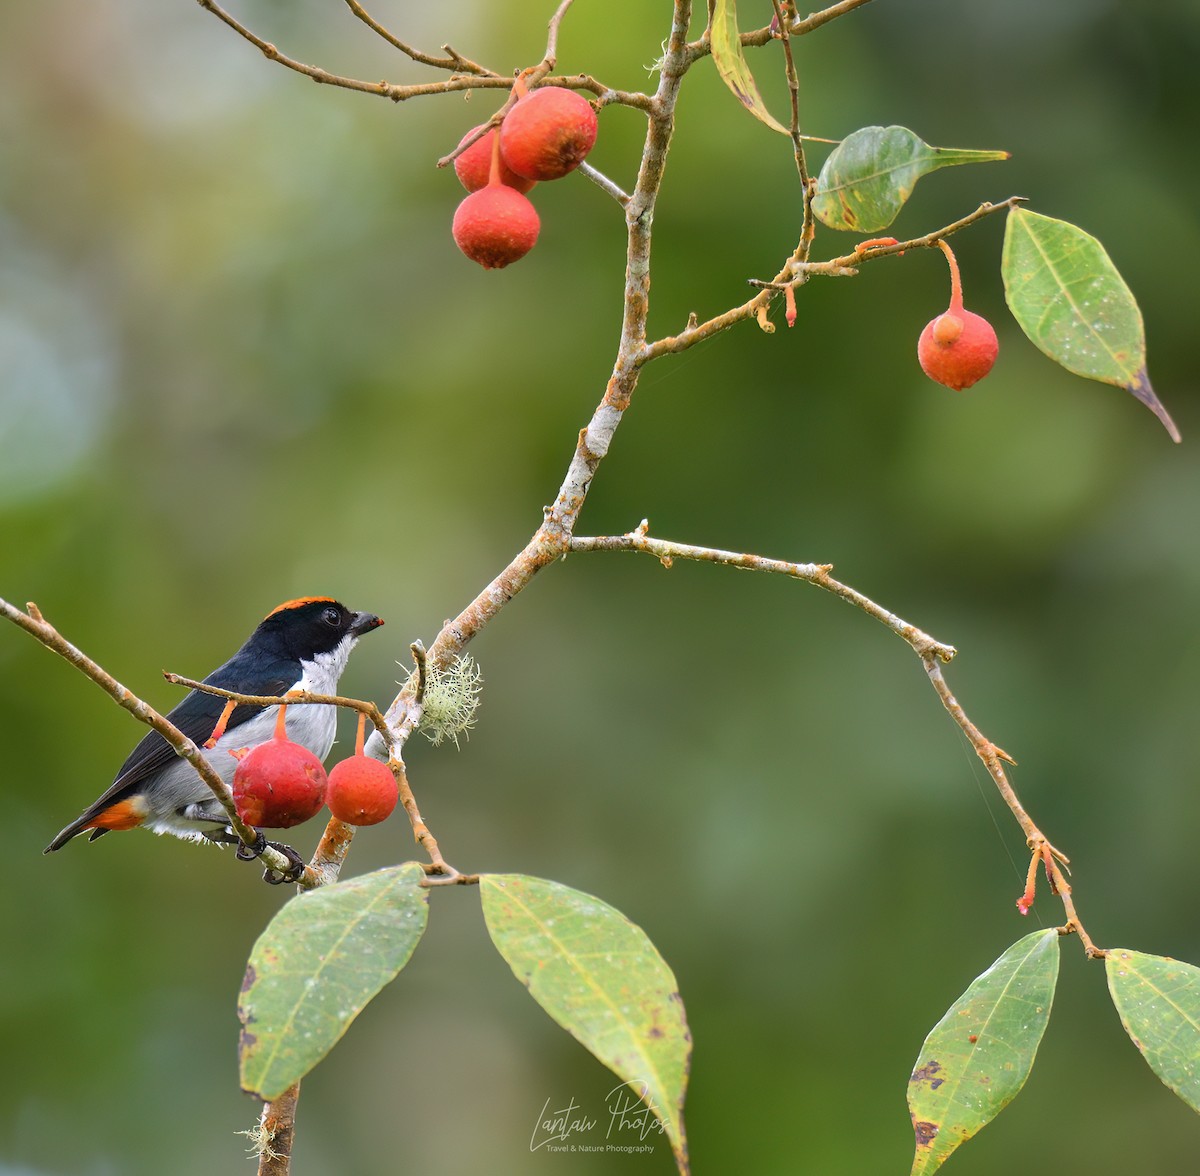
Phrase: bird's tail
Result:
[72,830]
[126,813]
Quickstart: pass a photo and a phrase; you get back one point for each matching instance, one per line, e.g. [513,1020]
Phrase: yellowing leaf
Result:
[731,63]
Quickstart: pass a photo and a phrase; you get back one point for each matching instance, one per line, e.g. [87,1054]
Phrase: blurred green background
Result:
[242,361]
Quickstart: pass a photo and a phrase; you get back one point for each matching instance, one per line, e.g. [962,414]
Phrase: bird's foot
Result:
[296,864]
[249,853]
[295,870]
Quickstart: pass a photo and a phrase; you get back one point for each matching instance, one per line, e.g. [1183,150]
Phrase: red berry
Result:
[361,791]
[957,348]
[473,166]
[278,783]
[547,134]
[495,226]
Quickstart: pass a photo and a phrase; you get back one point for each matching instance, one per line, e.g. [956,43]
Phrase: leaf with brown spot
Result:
[731,64]
[870,175]
[321,959]
[977,1057]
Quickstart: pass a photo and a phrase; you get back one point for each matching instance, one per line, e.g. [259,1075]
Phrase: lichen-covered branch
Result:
[276,1133]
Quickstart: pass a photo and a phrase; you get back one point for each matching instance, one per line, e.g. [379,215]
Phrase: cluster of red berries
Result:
[545,136]
[279,784]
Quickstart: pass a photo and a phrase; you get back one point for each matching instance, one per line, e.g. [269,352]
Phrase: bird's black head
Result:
[313,625]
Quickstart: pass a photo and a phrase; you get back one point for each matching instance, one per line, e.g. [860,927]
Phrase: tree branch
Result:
[993,759]
[276,1133]
[666,551]
[932,654]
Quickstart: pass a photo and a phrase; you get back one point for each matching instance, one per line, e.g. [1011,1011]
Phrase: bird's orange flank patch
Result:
[125,814]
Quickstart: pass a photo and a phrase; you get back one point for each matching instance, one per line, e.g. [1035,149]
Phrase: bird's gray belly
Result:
[184,805]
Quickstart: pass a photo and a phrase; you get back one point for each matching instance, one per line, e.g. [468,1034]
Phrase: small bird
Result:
[301,645]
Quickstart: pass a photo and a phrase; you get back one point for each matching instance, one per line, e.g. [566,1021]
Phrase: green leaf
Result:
[869,176]
[731,63]
[1159,1003]
[1068,297]
[601,979]
[315,967]
[977,1057]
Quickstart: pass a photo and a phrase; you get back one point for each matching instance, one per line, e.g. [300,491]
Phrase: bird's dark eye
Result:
[331,616]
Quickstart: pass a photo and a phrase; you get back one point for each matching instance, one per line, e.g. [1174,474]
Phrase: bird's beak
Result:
[364,622]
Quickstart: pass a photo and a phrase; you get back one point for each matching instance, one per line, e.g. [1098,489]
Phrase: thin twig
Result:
[992,756]
[932,654]
[469,75]
[421,669]
[759,37]
[452,61]
[807,187]
[603,183]
[605,95]
[666,551]
[421,834]
[795,273]
[294,698]
[1062,889]
[324,77]
[817,19]
[928,241]
[551,56]
[793,83]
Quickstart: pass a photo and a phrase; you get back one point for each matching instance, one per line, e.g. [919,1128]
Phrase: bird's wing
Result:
[195,716]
